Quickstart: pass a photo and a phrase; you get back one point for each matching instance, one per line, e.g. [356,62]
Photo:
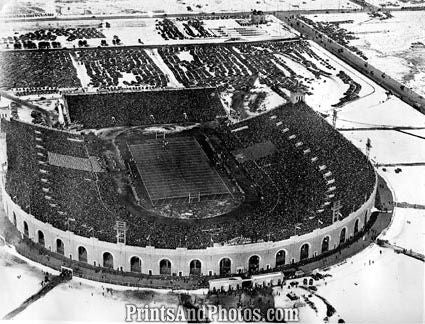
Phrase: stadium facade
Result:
[181,258]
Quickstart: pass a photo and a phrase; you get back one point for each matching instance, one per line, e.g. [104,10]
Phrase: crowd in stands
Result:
[66,198]
[144,107]
[108,67]
[334,31]
[312,167]
[26,69]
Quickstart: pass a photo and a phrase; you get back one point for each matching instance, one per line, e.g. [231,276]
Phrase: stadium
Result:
[143,178]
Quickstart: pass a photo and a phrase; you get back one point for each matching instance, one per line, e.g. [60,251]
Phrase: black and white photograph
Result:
[212,161]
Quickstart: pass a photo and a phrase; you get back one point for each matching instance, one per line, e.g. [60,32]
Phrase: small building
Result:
[5,112]
[258,17]
[269,279]
[297,96]
[225,284]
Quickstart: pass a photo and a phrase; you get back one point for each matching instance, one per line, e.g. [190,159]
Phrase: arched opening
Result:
[60,247]
[108,260]
[14,219]
[280,258]
[135,264]
[195,267]
[342,236]
[356,226]
[26,231]
[165,267]
[254,263]
[40,238]
[82,254]
[325,244]
[225,267]
[304,251]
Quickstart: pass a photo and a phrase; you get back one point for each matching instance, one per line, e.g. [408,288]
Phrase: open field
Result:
[126,7]
[176,168]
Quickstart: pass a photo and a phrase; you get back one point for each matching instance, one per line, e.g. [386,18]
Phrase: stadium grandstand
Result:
[154,159]
[309,168]
[118,108]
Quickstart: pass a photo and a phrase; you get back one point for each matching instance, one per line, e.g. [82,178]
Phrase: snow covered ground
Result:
[132,32]
[120,7]
[390,146]
[196,6]
[389,289]
[375,286]
[18,281]
[388,43]
[394,4]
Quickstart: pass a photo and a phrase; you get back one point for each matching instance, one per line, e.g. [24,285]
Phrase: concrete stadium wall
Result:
[180,258]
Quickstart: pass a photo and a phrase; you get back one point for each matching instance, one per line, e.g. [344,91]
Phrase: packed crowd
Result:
[313,166]
[144,107]
[121,66]
[26,69]
[66,198]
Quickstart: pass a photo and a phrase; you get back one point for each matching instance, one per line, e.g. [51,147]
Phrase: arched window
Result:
[254,263]
[280,258]
[342,236]
[135,264]
[325,244]
[82,254]
[59,247]
[356,226]
[225,267]
[41,238]
[165,267]
[304,252]
[26,231]
[108,260]
[195,267]
[14,219]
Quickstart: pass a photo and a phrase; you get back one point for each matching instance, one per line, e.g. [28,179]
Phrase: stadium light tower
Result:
[368,147]
[121,228]
[334,117]
[336,208]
